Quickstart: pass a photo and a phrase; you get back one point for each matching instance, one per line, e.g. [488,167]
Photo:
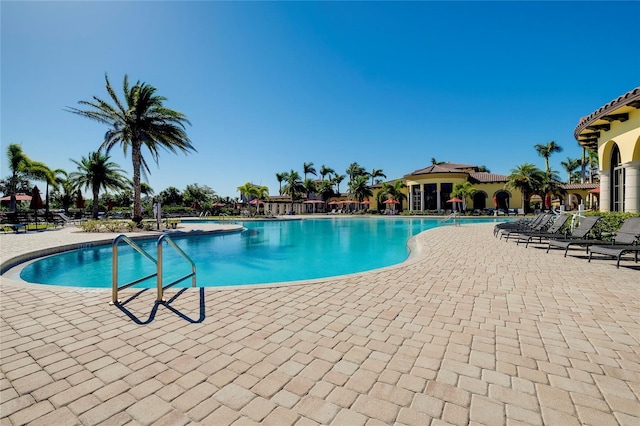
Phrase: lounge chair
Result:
[626,235]
[539,226]
[554,231]
[615,251]
[518,224]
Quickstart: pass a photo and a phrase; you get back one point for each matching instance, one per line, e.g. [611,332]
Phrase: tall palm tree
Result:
[592,161]
[464,190]
[527,178]
[569,166]
[308,169]
[324,171]
[97,172]
[337,179]
[354,170]
[546,150]
[376,173]
[142,120]
[281,177]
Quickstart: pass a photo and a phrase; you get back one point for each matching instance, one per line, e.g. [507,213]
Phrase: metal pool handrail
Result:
[161,288]
[158,262]
[114,266]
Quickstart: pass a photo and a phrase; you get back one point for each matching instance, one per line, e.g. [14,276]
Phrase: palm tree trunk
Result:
[95,208]
[136,156]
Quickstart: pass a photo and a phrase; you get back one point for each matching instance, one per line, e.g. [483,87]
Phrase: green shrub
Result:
[91,226]
[610,222]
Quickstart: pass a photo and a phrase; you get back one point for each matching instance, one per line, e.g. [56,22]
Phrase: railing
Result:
[115,287]
[205,213]
[160,285]
[158,263]
[223,216]
[455,217]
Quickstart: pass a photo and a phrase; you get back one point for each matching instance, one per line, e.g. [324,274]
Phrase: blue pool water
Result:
[267,252]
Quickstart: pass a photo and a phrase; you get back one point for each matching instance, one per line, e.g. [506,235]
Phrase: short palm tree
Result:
[141,120]
[551,185]
[464,190]
[397,193]
[526,178]
[294,186]
[359,188]
[19,164]
[546,150]
[309,186]
[97,172]
[40,171]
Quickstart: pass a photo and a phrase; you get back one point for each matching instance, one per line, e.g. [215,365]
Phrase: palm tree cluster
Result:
[530,180]
[141,120]
[23,169]
[358,188]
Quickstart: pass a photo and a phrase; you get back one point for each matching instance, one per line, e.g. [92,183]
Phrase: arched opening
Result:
[617,181]
[573,201]
[480,200]
[501,200]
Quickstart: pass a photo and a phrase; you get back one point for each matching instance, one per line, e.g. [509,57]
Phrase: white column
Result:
[605,196]
[422,197]
[438,199]
[410,198]
[632,187]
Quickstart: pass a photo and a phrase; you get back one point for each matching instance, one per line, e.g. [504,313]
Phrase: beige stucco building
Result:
[429,189]
[614,131]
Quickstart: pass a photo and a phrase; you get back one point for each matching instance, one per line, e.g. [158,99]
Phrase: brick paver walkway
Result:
[472,330]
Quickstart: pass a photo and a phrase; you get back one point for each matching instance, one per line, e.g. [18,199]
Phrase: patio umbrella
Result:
[256,202]
[454,200]
[36,202]
[593,191]
[219,204]
[16,197]
[366,202]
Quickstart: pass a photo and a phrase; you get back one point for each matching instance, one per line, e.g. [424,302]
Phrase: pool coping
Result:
[11,268]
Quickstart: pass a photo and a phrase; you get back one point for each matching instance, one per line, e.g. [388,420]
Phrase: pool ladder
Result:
[455,217]
[158,262]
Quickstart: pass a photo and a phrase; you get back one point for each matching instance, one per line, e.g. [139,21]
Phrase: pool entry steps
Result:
[157,261]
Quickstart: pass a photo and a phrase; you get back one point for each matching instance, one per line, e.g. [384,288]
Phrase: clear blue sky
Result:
[269,86]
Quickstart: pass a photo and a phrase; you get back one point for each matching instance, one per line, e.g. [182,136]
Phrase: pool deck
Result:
[471,330]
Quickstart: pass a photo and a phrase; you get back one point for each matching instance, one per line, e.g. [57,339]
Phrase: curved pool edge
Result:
[100,239]
[418,249]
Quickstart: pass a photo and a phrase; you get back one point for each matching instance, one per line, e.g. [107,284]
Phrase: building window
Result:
[445,194]
[617,181]
[430,196]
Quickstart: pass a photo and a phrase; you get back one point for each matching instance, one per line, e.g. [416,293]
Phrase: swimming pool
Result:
[266,252]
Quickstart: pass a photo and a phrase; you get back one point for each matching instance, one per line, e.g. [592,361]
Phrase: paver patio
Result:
[470,330]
